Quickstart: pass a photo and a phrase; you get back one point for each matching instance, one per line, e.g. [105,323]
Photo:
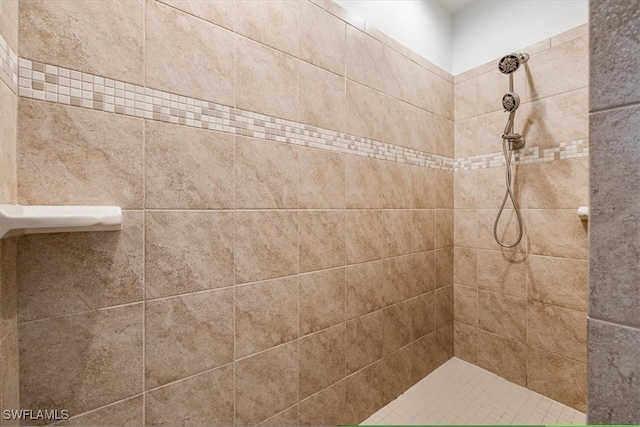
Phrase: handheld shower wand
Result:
[510,140]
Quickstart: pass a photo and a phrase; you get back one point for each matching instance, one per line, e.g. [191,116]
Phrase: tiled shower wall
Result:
[521,312]
[272,267]
[9,392]
[614,319]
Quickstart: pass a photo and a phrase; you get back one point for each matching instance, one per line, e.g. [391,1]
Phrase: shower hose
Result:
[507,150]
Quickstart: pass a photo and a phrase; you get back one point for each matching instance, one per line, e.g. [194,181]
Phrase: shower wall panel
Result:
[521,312]
[9,387]
[286,175]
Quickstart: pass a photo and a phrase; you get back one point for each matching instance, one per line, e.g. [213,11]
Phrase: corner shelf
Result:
[16,219]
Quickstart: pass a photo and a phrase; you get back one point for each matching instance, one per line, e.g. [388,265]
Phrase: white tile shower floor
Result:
[461,393]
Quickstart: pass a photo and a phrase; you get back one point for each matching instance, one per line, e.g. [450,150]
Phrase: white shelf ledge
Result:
[583,213]
[16,219]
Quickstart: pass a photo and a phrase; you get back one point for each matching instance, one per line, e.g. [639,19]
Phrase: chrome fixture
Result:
[510,140]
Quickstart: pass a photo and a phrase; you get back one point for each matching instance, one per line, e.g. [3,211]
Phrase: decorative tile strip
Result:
[56,84]
[566,150]
[8,65]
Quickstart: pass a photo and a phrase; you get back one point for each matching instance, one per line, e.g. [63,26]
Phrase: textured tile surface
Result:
[461,393]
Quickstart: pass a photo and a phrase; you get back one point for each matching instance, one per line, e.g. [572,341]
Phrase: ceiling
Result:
[454,6]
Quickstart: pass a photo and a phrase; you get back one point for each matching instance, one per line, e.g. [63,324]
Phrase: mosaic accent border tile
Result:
[8,65]
[56,84]
[64,86]
[565,150]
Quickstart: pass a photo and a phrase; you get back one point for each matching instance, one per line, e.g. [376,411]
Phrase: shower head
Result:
[510,63]
[510,102]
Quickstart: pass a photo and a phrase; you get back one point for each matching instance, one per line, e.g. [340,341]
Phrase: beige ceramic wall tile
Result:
[503,357]
[574,33]
[490,130]
[73,156]
[424,135]
[321,239]
[322,38]
[465,99]
[424,267]
[321,179]
[396,185]
[364,235]
[219,12]
[8,154]
[255,19]
[266,383]
[364,186]
[266,174]
[492,86]
[9,23]
[465,189]
[557,233]
[507,230]
[266,245]
[554,376]
[465,342]
[60,274]
[397,125]
[444,189]
[10,368]
[444,306]
[365,112]
[422,360]
[396,327]
[203,399]
[492,186]
[557,70]
[465,267]
[558,281]
[423,235]
[423,315]
[327,407]
[466,227]
[267,80]
[444,228]
[557,184]
[503,272]
[322,360]
[188,252]
[364,54]
[445,137]
[188,168]
[365,285]
[465,307]
[502,315]
[126,412]
[396,373]
[92,359]
[266,315]
[104,38]
[8,286]
[423,187]
[176,44]
[322,98]
[444,267]
[187,335]
[322,300]
[396,73]
[288,417]
[552,120]
[399,279]
[465,137]
[397,232]
[365,393]
[557,330]
[364,341]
